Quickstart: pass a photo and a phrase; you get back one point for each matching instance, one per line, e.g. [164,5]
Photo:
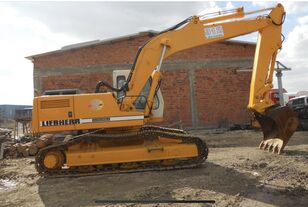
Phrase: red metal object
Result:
[274,95]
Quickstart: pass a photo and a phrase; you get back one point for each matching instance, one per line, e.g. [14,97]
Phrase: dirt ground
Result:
[236,173]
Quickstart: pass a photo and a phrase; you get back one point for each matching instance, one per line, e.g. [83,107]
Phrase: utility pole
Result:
[280,67]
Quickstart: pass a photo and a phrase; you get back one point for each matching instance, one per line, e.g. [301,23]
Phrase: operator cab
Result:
[119,79]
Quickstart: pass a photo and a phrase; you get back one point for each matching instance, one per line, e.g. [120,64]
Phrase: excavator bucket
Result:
[278,125]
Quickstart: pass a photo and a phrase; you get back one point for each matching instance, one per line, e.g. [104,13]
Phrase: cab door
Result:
[119,79]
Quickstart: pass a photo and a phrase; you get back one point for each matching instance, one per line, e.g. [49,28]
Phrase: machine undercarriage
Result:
[149,148]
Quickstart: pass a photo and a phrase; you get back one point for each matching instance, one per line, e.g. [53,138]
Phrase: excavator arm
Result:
[278,123]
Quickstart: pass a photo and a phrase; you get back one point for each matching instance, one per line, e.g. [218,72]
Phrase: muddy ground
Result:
[236,173]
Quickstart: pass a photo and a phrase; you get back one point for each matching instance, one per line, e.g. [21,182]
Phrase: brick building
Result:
[203,87]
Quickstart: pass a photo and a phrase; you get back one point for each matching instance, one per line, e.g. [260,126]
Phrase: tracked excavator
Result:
[113,131]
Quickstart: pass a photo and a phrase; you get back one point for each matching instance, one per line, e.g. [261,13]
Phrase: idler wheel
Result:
[53,160]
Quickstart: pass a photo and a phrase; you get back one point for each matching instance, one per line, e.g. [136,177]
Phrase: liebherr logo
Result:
[59,122]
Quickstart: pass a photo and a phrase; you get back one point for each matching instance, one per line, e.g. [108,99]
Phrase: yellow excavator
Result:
[112,131]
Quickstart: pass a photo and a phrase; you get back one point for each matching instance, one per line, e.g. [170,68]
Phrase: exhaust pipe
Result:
[278,125]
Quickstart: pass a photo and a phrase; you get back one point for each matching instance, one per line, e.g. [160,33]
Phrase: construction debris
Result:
[5,135]
[29,148]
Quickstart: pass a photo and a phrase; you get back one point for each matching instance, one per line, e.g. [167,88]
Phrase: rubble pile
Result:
[5,135]
[29,148]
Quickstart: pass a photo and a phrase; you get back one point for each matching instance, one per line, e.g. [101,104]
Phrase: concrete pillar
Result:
[193,102]
[279,80]
[280,67]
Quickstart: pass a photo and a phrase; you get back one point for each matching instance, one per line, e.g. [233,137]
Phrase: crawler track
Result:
[147,132]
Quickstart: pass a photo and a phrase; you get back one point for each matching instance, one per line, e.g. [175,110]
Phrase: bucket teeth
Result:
[272,145]
[278,125]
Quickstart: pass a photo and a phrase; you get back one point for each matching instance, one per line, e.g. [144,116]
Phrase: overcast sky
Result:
[28,28]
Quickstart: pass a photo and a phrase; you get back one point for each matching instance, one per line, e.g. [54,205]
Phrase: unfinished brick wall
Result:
[109,53]
[85,82]
[220,93]
[176,93]
[222,97]
[123,52]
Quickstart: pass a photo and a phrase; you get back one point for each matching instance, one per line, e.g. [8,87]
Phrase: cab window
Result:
[141,100]
[121,80]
